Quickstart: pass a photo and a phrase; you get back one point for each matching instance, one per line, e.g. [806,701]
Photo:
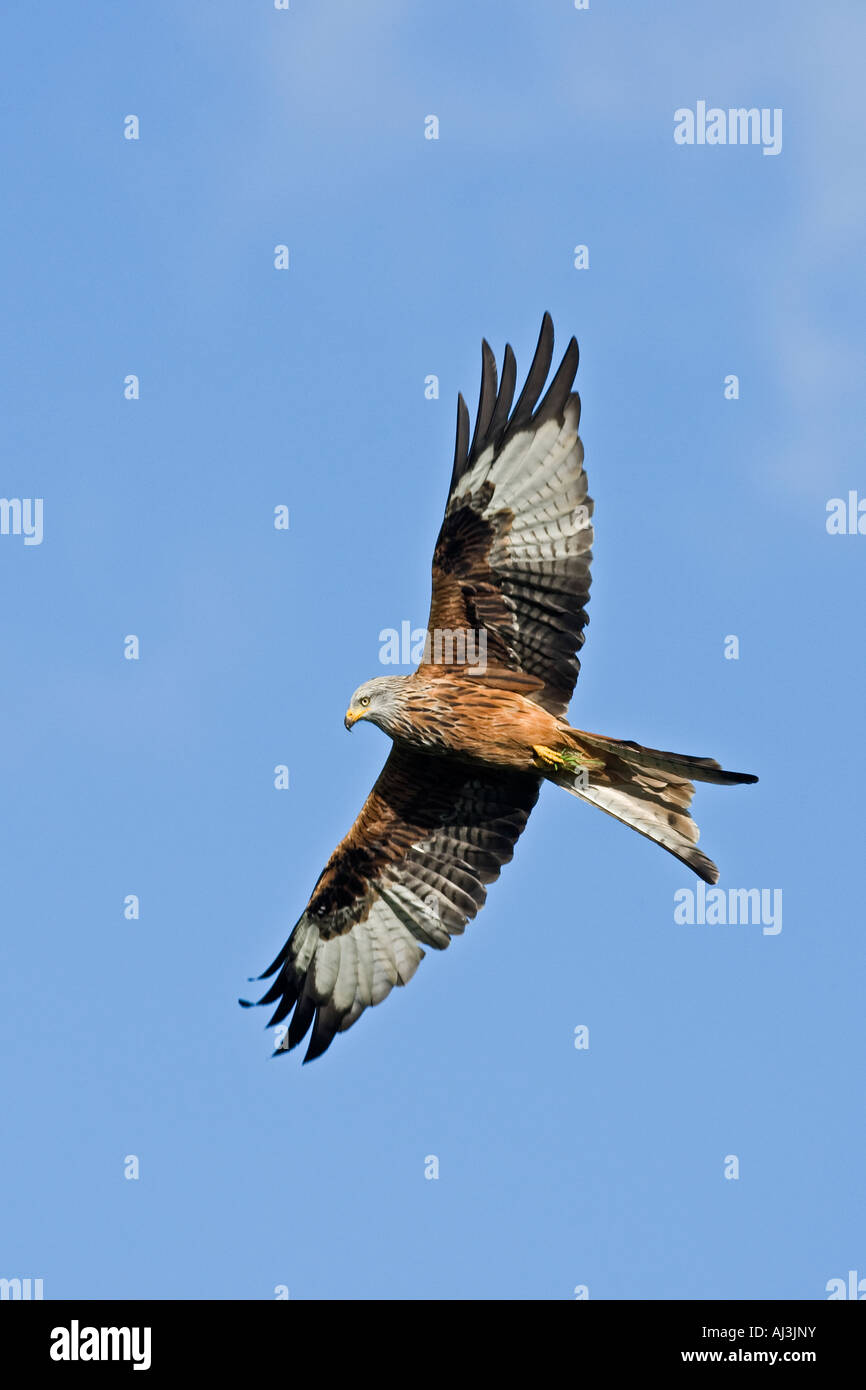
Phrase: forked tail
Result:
[643,787]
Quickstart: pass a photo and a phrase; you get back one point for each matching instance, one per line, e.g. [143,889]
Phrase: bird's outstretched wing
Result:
[511,562]
[412,870]
[511,568]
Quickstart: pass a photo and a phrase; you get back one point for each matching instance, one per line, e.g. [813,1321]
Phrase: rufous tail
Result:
[645,788]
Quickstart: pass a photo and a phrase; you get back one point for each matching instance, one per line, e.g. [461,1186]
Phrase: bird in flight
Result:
[482,722]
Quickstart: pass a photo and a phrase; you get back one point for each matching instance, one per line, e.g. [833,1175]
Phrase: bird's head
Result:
[377,700]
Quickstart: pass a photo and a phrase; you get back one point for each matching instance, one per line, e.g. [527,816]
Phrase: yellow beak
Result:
[352,717]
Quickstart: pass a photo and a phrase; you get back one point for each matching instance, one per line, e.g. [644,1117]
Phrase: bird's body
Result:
[468,717]
[481,724]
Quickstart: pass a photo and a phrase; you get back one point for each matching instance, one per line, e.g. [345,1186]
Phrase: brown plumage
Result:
[481,722]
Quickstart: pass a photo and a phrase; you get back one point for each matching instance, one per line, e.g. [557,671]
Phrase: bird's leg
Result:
[570,759]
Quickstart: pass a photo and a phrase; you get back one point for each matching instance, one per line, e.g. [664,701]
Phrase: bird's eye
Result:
[364,700]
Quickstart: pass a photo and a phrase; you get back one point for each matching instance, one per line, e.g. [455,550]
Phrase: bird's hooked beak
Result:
[352,718]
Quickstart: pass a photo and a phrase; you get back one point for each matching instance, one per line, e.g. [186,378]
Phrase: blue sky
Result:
[558,1167]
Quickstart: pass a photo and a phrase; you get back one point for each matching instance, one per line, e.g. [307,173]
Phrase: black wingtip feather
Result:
[486,399]
[275,965]
[560,387]
[461,443]
[323,1034]
[536,376]
[284,1007]
[301,1020]
[506,396]
[277,989]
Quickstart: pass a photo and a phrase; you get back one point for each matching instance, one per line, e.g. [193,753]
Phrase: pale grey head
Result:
[379,700]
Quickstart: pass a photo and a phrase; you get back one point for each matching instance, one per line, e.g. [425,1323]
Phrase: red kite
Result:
[481,723]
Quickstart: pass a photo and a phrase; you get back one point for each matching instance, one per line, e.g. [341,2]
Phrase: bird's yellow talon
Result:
[546,755]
